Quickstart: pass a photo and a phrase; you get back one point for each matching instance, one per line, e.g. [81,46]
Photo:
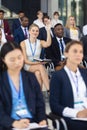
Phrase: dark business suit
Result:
[16,24]
[53,52]
[33,96]
[19,35]
[43,33]
[61,96]
[43,36]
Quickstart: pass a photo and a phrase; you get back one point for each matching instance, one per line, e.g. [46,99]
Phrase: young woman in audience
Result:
[39,20]
[68,89]
[56,19]
[32,49]
[71,31]
[21,100]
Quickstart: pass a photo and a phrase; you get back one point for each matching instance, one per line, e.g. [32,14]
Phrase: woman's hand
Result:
[23,123]
[43,122]
[82,114]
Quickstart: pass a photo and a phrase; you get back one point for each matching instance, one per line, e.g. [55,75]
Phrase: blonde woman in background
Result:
[71,31]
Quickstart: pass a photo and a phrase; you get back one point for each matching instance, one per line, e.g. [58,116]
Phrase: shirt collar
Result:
[59,38]
[75,74]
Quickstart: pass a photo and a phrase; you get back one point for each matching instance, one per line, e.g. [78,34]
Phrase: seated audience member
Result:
[17,22]
[68,88]
[56,50]
[43,32]
[21,100]
[56,19]
[21,33]
[32,48]
[71,30]
[5,26]
[2,38]
[39,20]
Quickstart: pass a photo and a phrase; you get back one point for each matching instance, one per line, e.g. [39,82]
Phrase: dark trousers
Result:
[76,125]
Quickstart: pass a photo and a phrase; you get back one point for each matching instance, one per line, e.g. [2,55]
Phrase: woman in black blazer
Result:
[21,100]
[68,89]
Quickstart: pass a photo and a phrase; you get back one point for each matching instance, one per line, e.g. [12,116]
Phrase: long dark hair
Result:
[6,48]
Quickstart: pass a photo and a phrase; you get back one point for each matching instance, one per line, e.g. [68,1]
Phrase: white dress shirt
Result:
[23,28]
[63,43]
[39,23]
[81,93]
[84,30]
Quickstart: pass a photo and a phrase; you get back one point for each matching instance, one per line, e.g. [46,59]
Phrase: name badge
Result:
[22,112]
[79,103]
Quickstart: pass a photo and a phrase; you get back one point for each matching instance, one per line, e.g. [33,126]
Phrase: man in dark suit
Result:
[43,32]
[56,50]
[17,22]
[21,33]
[5,26]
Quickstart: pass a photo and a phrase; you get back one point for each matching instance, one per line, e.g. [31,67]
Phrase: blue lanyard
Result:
[75,82]
[20,86]
[33,51]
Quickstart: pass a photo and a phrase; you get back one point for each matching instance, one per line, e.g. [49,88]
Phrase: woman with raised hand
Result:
[32,49]
[21,100]
[68,89]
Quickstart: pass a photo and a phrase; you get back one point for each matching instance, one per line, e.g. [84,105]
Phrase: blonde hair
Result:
[68,23]
[33,25]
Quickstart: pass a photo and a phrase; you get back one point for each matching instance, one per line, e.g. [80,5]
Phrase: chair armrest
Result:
[57,120]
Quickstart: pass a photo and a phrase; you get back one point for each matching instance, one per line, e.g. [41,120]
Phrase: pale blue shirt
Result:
[16,96]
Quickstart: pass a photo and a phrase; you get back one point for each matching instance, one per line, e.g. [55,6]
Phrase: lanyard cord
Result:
[33,51]
[75,82]
[20,86]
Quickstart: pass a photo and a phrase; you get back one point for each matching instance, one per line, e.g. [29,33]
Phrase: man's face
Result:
[25,22]
[1,15]
[59,31]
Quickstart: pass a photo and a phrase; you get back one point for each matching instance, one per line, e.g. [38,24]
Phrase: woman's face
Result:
[14,60]
[75,54]
[34,32]
[72,20]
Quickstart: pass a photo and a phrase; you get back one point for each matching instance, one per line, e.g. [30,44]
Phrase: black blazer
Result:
[16,24]
[43,33]
[19,35]
[33,96]
[61,96]
[53,52]
[43,36]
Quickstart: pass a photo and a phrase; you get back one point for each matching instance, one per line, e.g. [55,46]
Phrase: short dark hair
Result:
[21,12]
[56,13]
[23,18]
[2,11]
[58,24]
